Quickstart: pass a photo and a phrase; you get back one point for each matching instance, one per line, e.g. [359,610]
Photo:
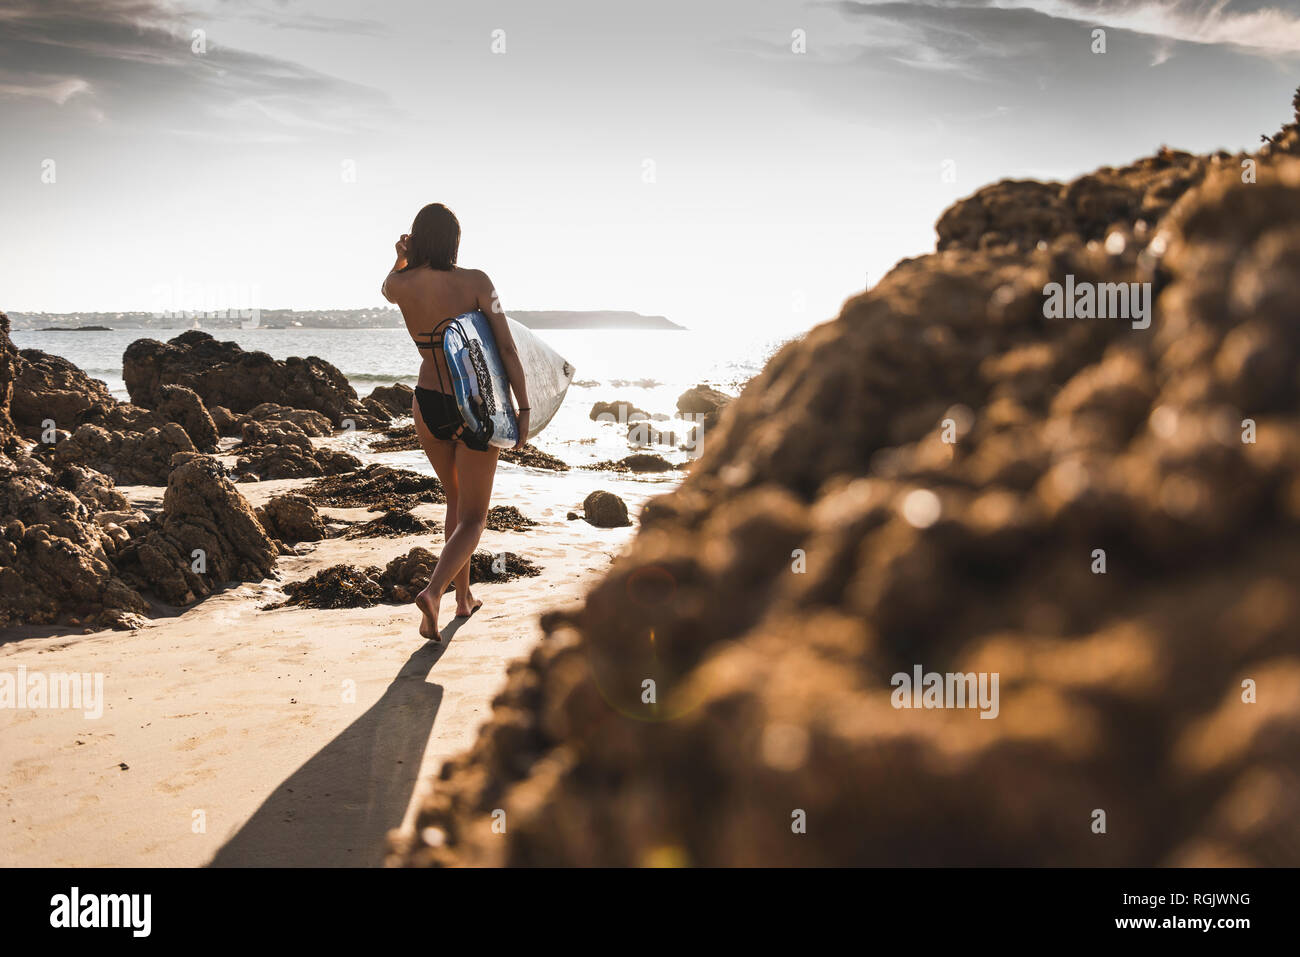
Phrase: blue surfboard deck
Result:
[482,387]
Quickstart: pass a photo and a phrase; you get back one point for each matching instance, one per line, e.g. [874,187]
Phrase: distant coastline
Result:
[315,319]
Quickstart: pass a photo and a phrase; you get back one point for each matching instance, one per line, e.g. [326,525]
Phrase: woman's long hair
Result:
[434,239]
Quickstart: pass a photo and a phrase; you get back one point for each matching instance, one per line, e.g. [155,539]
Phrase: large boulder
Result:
[227,422]
[617,411]
[636,462]
[605,510]
[50,388]
[273,432]
[207,536]
[701,399]
[183,406]
[130,458]
[308,421]
[179,406]
[46,576]
[93,489]
[1104,518]
[224,374]
[273,448]
[292,518]
[278,461]
[394,400]
[114,416]
[705,405]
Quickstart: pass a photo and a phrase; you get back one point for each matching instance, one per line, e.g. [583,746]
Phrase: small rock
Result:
[605,510]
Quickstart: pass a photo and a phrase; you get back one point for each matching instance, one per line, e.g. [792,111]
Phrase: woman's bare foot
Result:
[428,606]
[467,605]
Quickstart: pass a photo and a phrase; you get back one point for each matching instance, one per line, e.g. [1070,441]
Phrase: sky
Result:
[732,164]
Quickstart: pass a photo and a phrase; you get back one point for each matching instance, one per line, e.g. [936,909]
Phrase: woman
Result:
[428,286]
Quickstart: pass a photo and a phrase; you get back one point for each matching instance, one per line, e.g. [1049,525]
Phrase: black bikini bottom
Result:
[442,417]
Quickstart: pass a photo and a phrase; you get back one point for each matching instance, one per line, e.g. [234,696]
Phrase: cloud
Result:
[1258,25]
[283,17]
[57,91]
[1163,52]
[969,38]
[138,63]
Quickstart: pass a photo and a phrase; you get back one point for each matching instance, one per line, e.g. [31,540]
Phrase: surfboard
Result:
[482,388]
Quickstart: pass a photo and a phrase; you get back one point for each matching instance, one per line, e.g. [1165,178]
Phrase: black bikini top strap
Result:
[436,335]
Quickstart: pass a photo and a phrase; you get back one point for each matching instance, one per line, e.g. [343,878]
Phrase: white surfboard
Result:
[482,388]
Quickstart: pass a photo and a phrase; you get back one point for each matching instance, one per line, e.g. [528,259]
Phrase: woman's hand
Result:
[401,246]
[521,417]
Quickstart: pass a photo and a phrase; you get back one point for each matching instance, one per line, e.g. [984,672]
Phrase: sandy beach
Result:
[238,736]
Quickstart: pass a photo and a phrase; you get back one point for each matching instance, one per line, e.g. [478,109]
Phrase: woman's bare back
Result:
[426,297]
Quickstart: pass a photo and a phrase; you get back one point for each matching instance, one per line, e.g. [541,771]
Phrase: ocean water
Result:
[656,365]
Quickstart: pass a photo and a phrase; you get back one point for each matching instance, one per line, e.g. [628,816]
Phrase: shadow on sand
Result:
[335,810]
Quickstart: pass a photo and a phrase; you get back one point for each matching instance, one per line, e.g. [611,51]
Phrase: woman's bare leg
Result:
[474,474]
[442,456]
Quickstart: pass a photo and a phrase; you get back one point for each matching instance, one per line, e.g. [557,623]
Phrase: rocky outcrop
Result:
[636,462]
[269,414]
[1106,518]
[701,400]
[179,405]
[273,432]
[227,422]
[49,388]
[224,374]
[130,458]
[292,461]
[73,552]
[1017,215]
[93,430]
[183,406]
[276,448]
[56,563]
[605,510]
[390,401]
[617,411]
[705,405]
[643,433]
[113,416]
[292,518]
[207,536]
[9,361]
[93,489]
